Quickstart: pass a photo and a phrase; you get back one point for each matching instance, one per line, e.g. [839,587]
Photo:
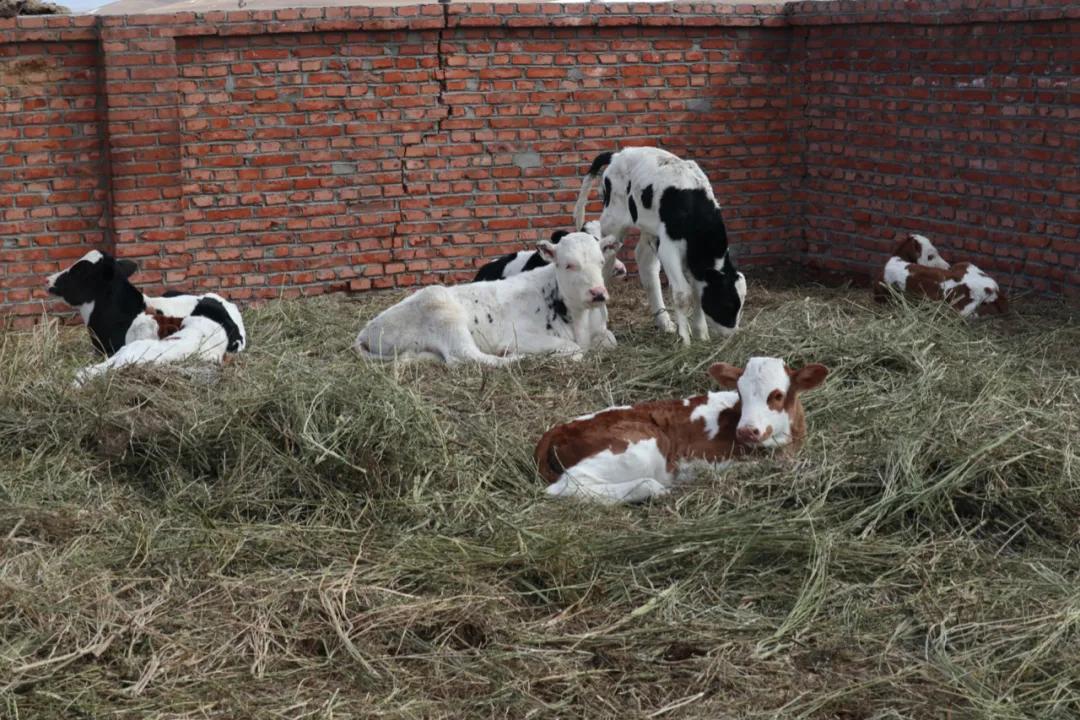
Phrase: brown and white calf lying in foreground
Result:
[917,268]
[626,454]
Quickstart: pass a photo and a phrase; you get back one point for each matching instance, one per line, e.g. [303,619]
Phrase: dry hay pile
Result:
[301,535]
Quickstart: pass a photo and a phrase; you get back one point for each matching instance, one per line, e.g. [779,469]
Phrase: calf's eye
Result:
[571,266]
[776,397]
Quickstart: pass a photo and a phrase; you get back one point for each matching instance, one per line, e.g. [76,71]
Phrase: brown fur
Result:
[908,250]
[166,325]
[668,421]
[929,283]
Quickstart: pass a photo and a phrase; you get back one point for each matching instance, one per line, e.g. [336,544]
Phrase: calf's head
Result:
[723,299]
[771,412]
[919,250]
[613,267]
[579,267]
[94,276]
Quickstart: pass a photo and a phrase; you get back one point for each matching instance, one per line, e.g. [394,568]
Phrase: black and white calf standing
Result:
[526,260]
[671,202]
[131,328]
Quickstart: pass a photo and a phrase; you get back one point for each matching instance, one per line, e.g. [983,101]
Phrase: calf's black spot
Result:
[599,162]
[559,235]
[535,260]
[628,187]
[646,197]
[494,270]
[213,309]
[691,216]
[633,209]
[607,191]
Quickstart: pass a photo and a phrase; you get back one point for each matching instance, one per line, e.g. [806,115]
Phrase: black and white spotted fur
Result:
[125,325]
[525,260]
[671,203]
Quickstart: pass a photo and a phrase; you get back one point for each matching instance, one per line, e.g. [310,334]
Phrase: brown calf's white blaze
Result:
[627,454]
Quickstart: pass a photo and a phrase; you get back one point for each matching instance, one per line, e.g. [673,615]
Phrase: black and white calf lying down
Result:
[131,328]
[671,203]
[525,260]
[557,308]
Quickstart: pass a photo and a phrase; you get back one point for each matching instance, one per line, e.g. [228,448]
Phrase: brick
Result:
[336,145]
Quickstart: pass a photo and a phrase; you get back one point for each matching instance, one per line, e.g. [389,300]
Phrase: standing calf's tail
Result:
[598,164]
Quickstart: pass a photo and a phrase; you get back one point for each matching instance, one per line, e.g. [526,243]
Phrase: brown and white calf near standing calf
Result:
[627,454]
[917,268]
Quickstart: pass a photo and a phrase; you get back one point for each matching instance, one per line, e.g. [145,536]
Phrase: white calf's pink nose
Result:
[598,293]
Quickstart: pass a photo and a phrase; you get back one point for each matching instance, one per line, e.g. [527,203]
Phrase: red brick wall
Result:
[283,152]
[53,181]
[392,158]
[968,133]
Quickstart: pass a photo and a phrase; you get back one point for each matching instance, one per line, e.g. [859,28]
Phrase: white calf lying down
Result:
[671,203]
[557,308]
[626,454]
[129,327]
[525,260]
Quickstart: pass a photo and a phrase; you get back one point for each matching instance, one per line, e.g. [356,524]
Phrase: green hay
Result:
[299,535]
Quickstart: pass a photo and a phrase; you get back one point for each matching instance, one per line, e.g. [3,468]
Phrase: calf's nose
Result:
[598,294]
[750,434]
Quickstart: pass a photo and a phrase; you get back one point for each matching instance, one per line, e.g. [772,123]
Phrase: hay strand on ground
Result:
[302,535]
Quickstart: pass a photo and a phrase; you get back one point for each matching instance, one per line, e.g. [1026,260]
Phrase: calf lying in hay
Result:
[626,454]
[558,308]
[131,328]
[917,268]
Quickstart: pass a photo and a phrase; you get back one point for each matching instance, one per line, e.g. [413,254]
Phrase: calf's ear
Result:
[126,268]
[547,250]
[726,376]
[808,377]
[908,249]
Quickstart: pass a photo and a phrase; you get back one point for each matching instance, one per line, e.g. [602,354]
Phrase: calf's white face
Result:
[579,266]
[768,391]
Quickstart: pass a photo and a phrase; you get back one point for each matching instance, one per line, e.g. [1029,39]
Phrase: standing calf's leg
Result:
[682,295]
[699,324]
[649,272]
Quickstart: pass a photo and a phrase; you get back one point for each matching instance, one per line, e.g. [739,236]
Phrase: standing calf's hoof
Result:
[663,321]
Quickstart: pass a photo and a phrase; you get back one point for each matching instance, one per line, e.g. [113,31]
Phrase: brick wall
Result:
[967,132]
[269,153]
[53,186]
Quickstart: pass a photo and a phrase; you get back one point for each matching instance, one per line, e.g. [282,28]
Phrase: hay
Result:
[301,535]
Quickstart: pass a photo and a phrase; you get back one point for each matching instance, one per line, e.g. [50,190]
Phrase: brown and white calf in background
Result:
[917,268]
[626,454]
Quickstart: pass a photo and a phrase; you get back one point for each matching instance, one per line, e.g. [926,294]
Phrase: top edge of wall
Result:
[524,15]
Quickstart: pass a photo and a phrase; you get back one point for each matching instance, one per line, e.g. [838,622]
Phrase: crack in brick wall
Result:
[302,151]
